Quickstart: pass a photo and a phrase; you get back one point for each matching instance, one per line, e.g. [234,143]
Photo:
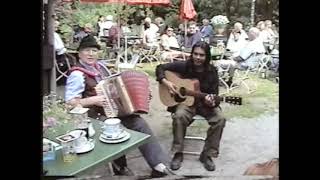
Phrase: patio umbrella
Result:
[187,12]
[133,2]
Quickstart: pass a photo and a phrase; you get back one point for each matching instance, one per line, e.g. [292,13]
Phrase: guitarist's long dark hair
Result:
[205,46]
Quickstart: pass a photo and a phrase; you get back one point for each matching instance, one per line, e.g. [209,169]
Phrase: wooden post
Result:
[50,36]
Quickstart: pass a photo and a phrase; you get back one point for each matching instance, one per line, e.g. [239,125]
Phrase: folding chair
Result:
[60,72]
[150,54]
[199,138]
[129,65]
[223,73]
[264,63]
[250,70]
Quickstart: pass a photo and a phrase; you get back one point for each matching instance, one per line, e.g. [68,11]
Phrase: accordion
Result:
[126,93]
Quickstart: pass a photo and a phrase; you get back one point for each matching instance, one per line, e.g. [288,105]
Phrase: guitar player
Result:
[196,67]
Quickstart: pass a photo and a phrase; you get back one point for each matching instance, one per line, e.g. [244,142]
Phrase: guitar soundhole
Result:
[178,99]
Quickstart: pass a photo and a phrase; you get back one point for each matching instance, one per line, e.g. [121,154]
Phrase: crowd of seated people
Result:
[176,43]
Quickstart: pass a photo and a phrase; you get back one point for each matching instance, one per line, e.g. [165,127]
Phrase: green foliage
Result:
[78,13]
[54,113]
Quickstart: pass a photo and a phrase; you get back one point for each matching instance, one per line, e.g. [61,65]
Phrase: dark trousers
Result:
[182,118]
[151,151]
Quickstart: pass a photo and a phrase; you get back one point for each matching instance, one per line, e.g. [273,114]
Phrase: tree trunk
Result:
[227,7]
[252,12]
[237,8]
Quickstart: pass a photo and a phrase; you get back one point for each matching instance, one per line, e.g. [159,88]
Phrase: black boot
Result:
[176,161]
[158,174]
[207,162]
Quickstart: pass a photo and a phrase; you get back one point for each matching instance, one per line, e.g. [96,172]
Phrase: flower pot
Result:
[219,29]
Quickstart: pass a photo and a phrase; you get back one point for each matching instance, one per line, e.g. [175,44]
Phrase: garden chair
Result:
[130,64]
[153,53]
[193,137]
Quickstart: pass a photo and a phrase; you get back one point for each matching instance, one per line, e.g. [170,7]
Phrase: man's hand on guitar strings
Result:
[209,99]
[172,87]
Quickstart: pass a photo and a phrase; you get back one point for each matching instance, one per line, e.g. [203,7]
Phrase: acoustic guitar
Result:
[188,90]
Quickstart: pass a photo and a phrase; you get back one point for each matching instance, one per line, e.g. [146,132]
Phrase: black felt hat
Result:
[88,41]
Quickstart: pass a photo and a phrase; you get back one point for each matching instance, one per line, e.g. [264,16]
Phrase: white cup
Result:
[112,127]
[81,139]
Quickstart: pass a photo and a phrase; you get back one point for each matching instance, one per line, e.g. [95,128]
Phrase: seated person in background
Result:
[264,35]
[105,26]
[206,30]
[115,32]
[160,23]
[192,37]
[150,34]
[273,35]
[169,45]
[249,55]
[198,67]
[237,39]
[80,90]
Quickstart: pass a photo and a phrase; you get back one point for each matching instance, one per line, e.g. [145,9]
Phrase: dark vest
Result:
[89,90]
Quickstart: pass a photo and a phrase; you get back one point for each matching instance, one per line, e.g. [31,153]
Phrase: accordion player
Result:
[126,93]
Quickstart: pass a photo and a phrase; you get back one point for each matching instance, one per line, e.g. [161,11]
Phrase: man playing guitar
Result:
[196,67]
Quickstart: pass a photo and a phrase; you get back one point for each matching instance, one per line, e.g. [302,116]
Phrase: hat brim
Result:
[88,45]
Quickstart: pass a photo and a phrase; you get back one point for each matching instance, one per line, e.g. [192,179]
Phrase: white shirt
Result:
[150,37]
[105,25]
[235,46]
[168,42]
[265,36]
[255,46]
[154,27]
[58,44]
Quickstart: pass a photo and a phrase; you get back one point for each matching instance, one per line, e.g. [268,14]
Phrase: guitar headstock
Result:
[233,100]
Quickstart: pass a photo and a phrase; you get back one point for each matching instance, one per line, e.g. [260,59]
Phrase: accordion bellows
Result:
[126,93]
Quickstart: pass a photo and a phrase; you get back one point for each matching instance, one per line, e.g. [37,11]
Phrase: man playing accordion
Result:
[80,90]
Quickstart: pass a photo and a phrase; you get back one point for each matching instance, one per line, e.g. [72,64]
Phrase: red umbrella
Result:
[133,2]
[187,11]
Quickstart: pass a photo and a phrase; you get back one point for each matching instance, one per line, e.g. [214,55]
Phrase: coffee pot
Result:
[82,122]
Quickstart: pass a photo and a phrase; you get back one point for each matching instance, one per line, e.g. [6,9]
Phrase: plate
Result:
[121,135]
[113,141]
[85,148]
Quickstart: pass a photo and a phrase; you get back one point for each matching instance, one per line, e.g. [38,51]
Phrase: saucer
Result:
[85,148]
[113,141]
[121,135]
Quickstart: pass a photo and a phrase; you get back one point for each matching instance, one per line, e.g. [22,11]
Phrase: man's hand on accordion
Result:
[98,100]
[85,102]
